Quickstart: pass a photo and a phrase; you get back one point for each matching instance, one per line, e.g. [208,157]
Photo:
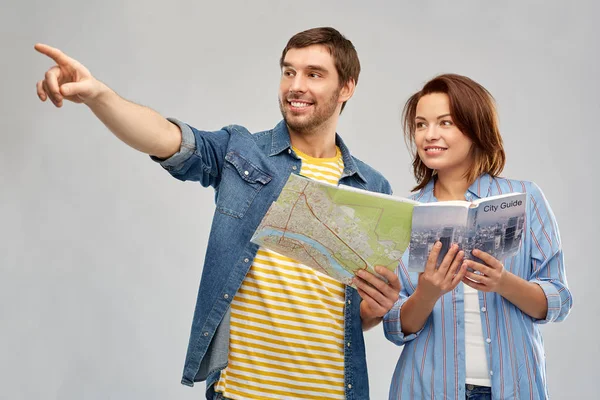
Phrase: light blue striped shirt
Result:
[432,362]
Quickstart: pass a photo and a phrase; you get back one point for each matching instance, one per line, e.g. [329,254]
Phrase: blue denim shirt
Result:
[248,172]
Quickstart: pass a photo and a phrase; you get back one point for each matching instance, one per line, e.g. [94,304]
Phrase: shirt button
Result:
[246,260]
[483,309]
[294,168]
[349,386]
[491,373]
[348,344]
[488,340]
[289,151]
[349,301]
[246,173]
[227,296]
[205,333]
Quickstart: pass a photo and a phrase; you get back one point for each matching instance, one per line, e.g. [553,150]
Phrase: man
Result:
[265,326]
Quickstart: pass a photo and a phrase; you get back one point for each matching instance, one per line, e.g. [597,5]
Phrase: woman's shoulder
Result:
[503,185]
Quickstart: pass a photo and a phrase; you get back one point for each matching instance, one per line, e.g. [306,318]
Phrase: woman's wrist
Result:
[425,299]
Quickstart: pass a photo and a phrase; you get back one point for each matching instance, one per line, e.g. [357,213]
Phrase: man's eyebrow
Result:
[317,68]
[308,67]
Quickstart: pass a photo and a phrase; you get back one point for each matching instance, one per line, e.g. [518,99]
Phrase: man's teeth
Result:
[298,104]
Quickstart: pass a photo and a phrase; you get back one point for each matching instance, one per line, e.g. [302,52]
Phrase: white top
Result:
[475,358]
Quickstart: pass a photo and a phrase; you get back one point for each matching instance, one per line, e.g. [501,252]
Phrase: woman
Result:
[471,330]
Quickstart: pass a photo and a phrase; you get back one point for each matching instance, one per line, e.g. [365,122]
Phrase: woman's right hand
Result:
[435,282]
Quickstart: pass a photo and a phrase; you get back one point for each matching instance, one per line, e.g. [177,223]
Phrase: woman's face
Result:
[440,144]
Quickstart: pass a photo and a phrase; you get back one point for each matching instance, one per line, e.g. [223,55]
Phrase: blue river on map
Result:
[318,246]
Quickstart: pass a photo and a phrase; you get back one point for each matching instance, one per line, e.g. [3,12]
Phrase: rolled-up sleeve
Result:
[188,145]
[200,157]
[547,260]
[392,324]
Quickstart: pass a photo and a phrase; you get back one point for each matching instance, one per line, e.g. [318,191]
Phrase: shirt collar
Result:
[480,188]
[281,142]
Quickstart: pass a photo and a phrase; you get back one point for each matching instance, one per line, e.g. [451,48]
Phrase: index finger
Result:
[433,257]
[58,56]
[383,271]
[390,275]
[487,258]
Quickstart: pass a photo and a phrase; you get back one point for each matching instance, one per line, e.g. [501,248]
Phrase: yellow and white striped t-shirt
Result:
[287,323]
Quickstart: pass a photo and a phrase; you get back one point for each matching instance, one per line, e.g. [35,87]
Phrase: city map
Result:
[336,230]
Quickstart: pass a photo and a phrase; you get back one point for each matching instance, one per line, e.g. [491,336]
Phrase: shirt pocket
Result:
[240,183]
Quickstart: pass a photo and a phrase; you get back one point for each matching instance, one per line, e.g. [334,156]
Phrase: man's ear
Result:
[347,91]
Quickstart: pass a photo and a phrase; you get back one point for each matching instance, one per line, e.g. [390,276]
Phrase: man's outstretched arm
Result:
[140,127]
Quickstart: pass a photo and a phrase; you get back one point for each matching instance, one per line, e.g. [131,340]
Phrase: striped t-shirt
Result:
[287,323]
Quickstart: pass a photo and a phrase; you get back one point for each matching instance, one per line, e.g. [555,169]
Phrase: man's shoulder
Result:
[242,130]
[366,168]
[373,177]
[242,137]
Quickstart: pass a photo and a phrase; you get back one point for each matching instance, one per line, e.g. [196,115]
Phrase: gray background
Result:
[101,251]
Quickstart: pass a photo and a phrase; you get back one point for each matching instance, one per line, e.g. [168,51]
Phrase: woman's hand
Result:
[435,282]
[491,275]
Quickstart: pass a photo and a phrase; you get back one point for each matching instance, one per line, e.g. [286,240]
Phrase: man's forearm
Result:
[367,320]
[140,127]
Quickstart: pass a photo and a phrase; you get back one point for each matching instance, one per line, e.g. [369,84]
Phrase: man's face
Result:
[309,92]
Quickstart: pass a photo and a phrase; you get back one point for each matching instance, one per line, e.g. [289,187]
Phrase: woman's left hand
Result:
[491,274]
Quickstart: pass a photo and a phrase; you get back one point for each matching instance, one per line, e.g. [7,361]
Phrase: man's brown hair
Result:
[473,111]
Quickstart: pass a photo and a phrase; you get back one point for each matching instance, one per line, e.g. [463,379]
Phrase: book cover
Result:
[493,225]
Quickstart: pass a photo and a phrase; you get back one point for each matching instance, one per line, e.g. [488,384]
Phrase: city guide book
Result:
[338,230]
[493,224]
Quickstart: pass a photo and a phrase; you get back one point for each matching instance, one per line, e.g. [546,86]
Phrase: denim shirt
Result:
[248,172]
